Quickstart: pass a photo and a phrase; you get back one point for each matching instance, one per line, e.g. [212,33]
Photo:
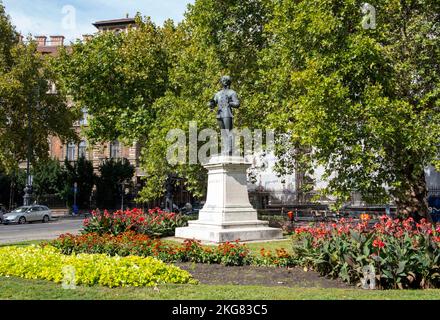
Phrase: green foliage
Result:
[362,103]
[48,178]
[400,254]
[131,243]
[129,72]
[14,288]
[155,222]
[155,79]
[11,187]
[5,184]
[111,174]
[216,38]
[89,269]
[82,173]
[365,101]
[25,76]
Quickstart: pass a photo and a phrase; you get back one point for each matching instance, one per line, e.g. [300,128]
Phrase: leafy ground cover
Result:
[35,262]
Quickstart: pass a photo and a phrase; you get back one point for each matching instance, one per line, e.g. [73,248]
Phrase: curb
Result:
[69,217]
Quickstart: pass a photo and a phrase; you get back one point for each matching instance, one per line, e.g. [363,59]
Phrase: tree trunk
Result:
[413,202]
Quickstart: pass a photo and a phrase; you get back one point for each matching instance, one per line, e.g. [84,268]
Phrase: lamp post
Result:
[124,191]
[122,195]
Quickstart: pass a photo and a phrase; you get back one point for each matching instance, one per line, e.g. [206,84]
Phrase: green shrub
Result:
[402,254]
[47,263]
[154,222]
[130,243]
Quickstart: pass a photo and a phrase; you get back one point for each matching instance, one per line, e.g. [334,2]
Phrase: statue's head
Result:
[225,81]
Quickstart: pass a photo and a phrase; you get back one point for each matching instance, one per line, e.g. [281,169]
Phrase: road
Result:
[39,231]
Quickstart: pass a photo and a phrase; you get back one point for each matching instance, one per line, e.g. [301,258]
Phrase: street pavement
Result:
[39,231]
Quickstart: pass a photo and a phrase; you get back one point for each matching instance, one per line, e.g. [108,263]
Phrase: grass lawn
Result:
[255,247]
[22,289]
[22,243]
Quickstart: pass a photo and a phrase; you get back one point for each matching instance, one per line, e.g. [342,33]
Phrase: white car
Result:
[24,214]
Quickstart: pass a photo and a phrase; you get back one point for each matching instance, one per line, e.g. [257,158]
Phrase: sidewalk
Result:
[64,214]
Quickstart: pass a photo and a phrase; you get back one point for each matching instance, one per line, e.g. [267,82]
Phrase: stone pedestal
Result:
[228,214]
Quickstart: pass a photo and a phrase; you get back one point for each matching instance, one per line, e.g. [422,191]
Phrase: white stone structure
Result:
[227,214]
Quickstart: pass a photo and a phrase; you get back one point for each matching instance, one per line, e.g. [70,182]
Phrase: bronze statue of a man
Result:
[225,99]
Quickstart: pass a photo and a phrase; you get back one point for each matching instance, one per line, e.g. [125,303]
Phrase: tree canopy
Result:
[113,178]
[81,173]
[117,77]
[363,102]
[25,79]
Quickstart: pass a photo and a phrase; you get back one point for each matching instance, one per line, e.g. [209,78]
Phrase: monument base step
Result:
[228,224]
[218,234]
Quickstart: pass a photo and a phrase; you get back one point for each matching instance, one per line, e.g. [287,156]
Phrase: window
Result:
[84,118]
[70,152]
[115,149]
[82,148]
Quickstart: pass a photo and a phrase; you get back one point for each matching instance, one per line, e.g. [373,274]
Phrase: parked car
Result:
[24,214]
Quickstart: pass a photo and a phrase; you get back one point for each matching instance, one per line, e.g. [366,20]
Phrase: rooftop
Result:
[113,22]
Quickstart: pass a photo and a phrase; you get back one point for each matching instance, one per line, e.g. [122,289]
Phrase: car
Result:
[31,213]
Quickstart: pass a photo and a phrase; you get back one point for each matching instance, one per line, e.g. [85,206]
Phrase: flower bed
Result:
[402,254]
[154,222]
[130,243]
[47,263]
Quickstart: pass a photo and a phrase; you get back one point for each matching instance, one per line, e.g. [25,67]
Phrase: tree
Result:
[117,77]
[365,102]
[154,79]
[25,76]
[5,184]
[11,187]
[81,173]
[109,183]
[216,38]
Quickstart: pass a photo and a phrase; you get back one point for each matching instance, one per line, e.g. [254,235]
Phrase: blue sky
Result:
[73,18]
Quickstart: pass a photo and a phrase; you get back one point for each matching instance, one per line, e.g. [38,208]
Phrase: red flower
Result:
[377,243]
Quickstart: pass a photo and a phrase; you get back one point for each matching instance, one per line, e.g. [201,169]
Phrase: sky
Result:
[73,18]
